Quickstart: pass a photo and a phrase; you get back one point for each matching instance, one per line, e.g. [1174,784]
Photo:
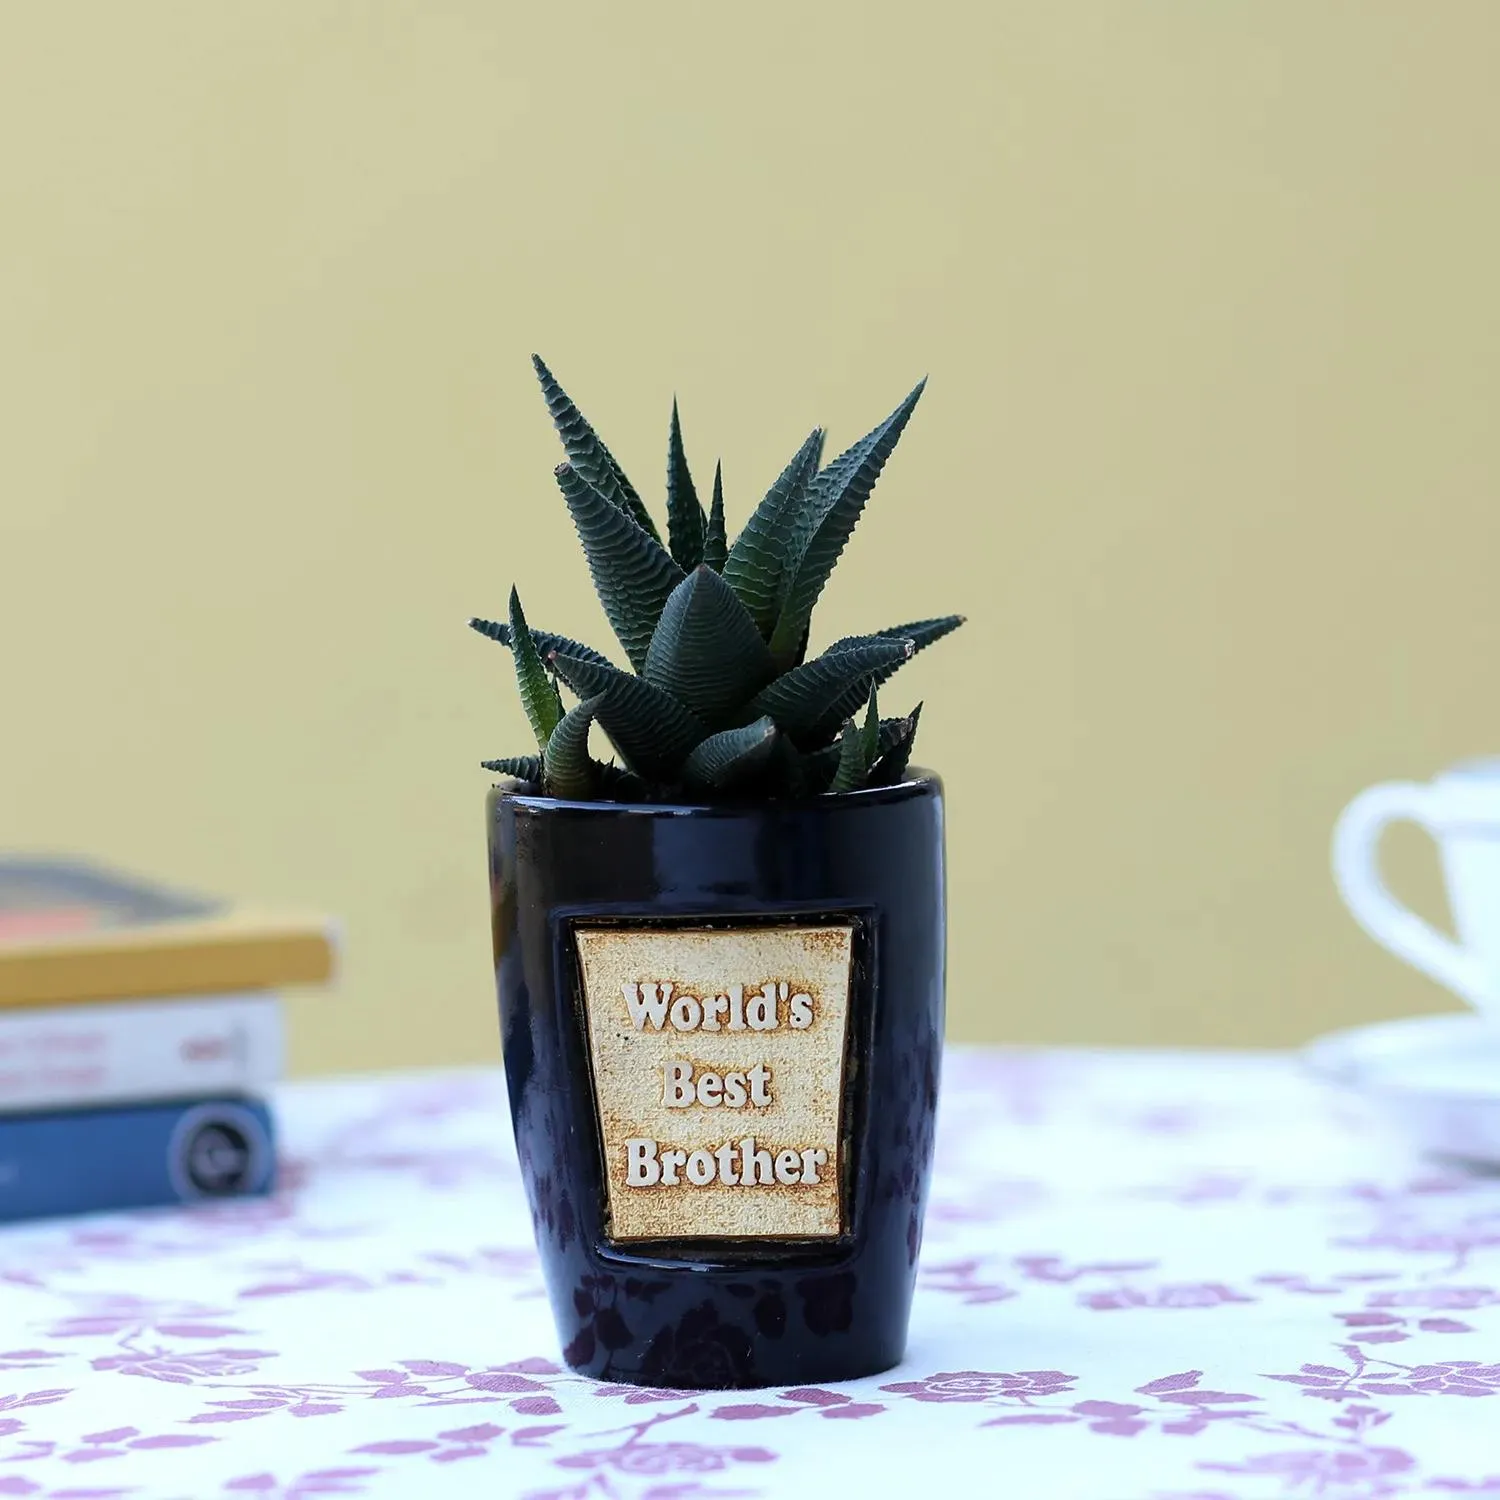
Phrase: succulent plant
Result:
[720,697]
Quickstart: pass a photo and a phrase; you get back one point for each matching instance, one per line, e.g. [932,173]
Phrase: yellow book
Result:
[72,932]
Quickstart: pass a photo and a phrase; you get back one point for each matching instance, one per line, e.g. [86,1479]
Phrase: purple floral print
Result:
[1167,1278]
[980,1385]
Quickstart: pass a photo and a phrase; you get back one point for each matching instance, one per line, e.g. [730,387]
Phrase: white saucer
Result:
[1436,1079]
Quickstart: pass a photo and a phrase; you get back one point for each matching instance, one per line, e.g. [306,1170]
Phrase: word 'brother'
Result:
[735,1164]
[653,1002]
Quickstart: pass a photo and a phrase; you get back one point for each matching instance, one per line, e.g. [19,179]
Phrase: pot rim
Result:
[919,781]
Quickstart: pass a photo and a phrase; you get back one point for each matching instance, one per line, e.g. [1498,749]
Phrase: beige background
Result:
[1208,295]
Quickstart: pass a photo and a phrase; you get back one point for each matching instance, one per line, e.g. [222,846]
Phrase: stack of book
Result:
[140,1032]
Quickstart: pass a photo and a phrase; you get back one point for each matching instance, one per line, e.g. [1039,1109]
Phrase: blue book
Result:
[139,1156]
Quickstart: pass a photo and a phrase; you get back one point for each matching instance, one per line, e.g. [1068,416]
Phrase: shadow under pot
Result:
[722,1029]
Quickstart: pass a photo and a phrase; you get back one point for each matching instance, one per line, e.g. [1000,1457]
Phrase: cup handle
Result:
[1356,872]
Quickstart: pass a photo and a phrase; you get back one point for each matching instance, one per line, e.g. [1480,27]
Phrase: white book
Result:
[75,1056]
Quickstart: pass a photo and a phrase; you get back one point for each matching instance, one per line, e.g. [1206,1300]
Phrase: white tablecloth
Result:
[1145,1277]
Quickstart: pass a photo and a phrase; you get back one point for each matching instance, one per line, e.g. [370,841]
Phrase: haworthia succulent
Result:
[633,574]
[919,632]
[566,767]
[719,699]
[706,651]
[798,701]
[546,641]
[858,749]
[869,735]
[852,765]
[587,453]
[652,731]
[715,547]
[895,757]
[757,564]
[522,767]
[836,508]
[732,757]
[819,765]
[685,518]
[539,695]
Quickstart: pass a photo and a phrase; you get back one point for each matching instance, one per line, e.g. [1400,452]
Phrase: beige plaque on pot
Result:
[718,1059]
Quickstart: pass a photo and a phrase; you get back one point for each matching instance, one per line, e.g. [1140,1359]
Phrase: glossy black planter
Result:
[726,1313]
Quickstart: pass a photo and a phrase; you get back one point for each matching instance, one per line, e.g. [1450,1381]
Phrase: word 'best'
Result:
[653,1001]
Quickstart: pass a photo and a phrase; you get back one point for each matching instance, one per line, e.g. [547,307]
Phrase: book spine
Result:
[225,955]
[91,1160]
[61,1057]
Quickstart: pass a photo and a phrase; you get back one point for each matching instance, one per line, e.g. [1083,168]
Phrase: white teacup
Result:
[1461,810]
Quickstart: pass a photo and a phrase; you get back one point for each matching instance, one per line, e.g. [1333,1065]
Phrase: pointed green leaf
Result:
[896,755]
[799,699]
[566,766]
[869,746]
[852,768]
[732,756]
[546,642]
[522,767]
[685,518]
[839,499]
[538,692]
[587,453]
[715,547]
[652,731]
[706,651]
[760,559]
[819,765]
[920,633]
[632,573]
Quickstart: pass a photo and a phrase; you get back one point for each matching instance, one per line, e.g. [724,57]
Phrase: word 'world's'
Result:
[653,1003]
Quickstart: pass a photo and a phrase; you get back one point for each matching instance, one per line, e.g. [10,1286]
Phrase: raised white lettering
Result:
[651,1000]
[760,1010]
[755,1165]
[687,1012]
[682,1087]
[677,1091]
[647,1001]
[641,1169]
[760,1077]
[732,1164]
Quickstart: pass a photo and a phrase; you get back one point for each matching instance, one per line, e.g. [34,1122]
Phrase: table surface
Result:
[1146,1276]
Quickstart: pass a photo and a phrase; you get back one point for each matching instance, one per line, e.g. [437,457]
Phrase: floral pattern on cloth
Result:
[1145,1277]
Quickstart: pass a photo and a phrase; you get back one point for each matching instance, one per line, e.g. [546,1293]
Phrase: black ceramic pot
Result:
[679,1309]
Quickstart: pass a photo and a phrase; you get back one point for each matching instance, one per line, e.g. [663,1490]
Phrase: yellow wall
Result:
[1209,298]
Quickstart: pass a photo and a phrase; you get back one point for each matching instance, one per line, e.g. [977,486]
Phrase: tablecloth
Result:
[1145,1276]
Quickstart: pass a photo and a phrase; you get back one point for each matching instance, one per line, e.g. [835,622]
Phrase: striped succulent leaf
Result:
[686,521]
[633,574]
